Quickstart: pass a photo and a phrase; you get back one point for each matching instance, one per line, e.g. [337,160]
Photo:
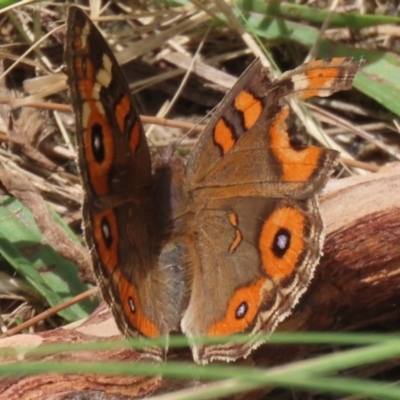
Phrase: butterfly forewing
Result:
[246,136]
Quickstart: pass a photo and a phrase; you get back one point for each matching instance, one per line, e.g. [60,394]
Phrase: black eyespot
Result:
[241,311]
[281,242]
[106,232]
[297,144]
[98,143]
[131,304]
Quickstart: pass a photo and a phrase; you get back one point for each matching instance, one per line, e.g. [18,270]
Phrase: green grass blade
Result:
[306,375]
[24,248]
[286,10]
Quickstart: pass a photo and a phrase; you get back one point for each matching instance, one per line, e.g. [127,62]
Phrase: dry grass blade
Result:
[48,313]
[341,122]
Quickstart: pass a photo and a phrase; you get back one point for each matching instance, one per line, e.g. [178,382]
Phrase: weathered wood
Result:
[356,285]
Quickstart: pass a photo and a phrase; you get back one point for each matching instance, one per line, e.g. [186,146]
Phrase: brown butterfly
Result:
[227,246]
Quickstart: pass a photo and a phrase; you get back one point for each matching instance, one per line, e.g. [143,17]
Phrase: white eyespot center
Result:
[132,304]
[282,241]
[97,143]
[106,229]
[241,310]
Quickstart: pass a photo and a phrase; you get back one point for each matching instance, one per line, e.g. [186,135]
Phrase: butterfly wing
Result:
[256,225]
[118,206]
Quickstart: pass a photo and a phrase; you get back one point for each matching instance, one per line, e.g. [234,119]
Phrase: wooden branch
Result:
[356,285]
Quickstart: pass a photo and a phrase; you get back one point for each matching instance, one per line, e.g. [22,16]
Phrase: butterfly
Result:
[225,245]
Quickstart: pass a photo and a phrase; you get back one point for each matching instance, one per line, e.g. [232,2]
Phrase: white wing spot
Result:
[96,91]
[86,110]
[300,82]
[104,75]
[84,35]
